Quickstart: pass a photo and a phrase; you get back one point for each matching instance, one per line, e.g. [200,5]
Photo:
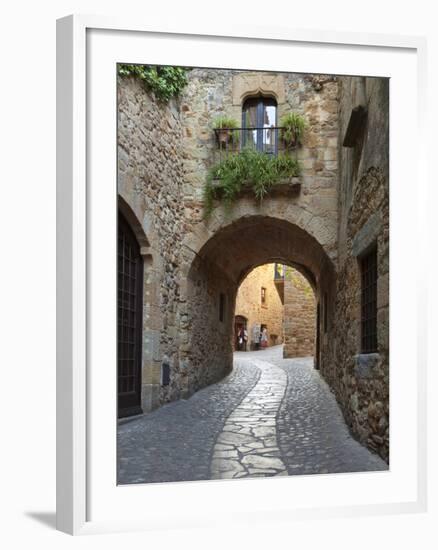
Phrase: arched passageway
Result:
[279,305]
[216,273]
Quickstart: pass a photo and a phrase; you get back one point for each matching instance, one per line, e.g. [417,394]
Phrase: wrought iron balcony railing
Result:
[279,271]
[233,140]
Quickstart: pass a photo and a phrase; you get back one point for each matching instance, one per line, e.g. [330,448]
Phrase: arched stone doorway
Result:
[129,320]
[134,260]
[216,273]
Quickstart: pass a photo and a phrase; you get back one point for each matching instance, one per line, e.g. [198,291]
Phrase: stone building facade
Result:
[259,303]
[361,380]
[192,266]
[299,327]
[281,299]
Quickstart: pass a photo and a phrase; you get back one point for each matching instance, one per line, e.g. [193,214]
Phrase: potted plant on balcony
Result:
[225,130]
[292,129]
[252,171]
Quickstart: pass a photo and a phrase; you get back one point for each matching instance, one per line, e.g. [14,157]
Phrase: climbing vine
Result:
[165,82]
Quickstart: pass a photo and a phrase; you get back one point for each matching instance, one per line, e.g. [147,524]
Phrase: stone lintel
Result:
[252,84]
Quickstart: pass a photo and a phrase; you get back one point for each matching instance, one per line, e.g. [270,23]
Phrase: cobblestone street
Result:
[271,416]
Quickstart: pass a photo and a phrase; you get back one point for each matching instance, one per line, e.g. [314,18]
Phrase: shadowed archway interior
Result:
[216,274]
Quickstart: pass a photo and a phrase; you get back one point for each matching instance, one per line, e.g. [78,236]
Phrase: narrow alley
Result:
[270,417]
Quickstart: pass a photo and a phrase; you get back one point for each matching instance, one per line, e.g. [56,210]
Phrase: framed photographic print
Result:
[234,333]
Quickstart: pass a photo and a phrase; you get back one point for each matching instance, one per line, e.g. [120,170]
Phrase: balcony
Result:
[261,139]
[279,273]
[251,161]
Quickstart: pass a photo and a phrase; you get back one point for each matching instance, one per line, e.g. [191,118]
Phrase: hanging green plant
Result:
[226,130]
[165,82]
[292,130]
[248,169]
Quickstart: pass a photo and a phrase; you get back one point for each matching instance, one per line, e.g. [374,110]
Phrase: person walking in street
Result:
[256,334]
[264,338]
[241,339]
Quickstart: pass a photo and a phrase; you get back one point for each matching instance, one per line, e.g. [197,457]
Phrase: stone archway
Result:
[133,219]
[146,367]
[215,274]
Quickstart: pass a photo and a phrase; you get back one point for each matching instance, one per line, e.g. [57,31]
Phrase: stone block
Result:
[383,291]
[150,397]
[365,364]
[151,345]
[330,154]
[252,84]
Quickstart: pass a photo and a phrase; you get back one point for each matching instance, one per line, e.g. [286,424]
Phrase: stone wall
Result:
[208,356]
[249,304]
[361,381]
[299,316]
[150,179]
[290,220]
[211,93]
[165,151]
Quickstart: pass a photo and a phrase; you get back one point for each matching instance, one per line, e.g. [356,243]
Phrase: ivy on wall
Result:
[165,82]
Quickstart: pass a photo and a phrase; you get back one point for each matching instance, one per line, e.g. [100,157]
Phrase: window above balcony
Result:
[259,124]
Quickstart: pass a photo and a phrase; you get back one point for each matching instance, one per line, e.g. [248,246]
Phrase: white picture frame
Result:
[80,223]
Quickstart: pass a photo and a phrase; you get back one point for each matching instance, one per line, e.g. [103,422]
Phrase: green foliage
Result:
[164,82]
[247,169]
[224,121]
[293,126]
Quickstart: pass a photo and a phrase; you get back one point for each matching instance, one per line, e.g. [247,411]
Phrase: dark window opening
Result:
[259,121]
[221,307]
[263,296]
[165,374]
[368,266]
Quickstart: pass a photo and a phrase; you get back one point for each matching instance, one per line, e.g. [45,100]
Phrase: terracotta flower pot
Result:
[224,135]
[291,142]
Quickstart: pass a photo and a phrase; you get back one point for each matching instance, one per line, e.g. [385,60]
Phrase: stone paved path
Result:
[270,417]
[175,442]
[248,445]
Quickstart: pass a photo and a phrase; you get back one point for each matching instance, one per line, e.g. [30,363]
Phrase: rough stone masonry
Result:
[193,265]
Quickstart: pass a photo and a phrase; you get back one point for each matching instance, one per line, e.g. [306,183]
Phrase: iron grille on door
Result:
[369,302]
[129,320]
